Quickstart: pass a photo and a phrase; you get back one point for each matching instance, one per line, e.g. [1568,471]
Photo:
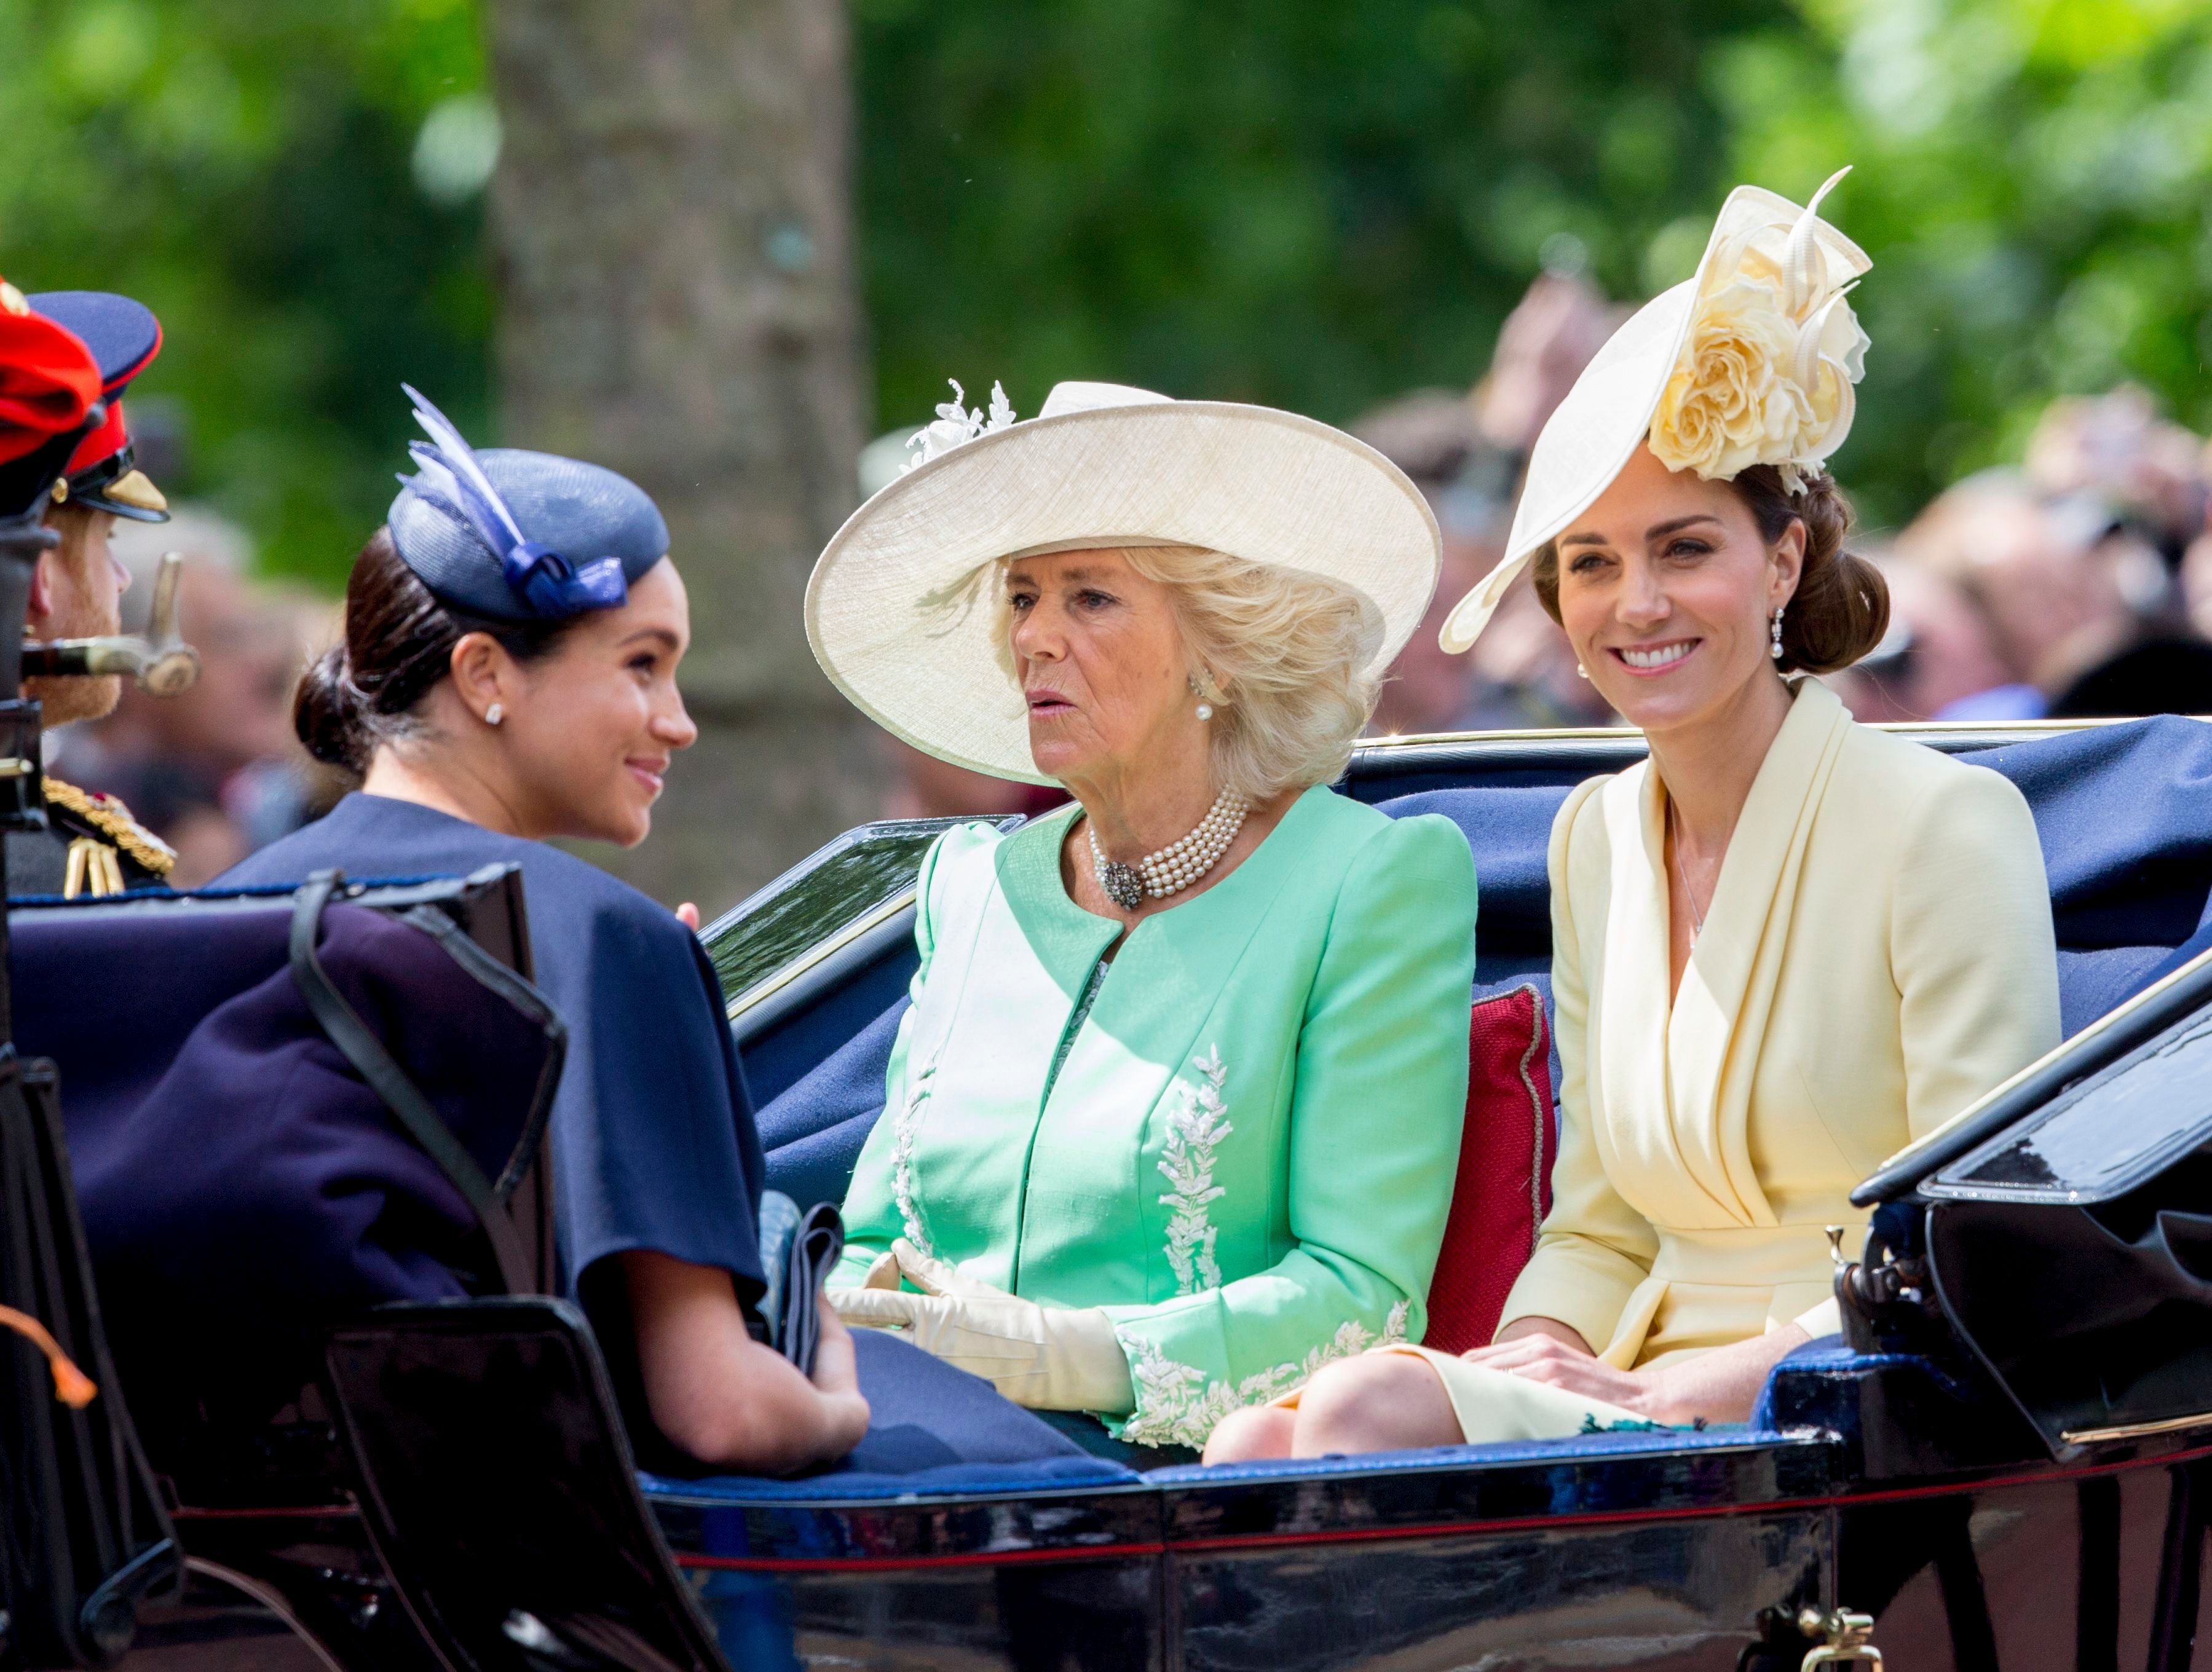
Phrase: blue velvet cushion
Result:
[931,1429]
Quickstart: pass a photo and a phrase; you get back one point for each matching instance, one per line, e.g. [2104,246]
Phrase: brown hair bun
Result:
[1841,607]
[398,644]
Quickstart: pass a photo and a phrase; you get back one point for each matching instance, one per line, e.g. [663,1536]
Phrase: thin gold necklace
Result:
[1681,870]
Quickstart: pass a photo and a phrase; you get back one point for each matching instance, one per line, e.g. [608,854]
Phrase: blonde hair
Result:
[1285,652]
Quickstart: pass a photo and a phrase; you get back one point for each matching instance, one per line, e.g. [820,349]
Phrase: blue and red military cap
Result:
[124,337]
[50,390]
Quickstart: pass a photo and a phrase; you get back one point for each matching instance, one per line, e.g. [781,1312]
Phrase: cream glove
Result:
[1049,1358]
[882,1272]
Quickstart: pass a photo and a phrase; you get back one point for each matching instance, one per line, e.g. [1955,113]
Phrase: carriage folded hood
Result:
[2066,1224]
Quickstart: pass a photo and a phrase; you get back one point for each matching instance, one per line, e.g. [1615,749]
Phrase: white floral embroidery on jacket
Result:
[906,1129]
[1197,1122]
[1178,1405]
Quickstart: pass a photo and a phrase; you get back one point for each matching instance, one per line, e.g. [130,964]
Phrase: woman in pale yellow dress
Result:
[1783,948]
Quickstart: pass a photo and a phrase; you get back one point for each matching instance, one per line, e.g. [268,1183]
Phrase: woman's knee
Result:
[1256,1432]
[1379,1402]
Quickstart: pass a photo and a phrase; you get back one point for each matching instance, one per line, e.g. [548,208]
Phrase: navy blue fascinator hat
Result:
[517,536]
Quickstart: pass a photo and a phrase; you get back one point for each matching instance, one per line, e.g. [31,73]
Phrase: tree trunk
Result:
[677,302]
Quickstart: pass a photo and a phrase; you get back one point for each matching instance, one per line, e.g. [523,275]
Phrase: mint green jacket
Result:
[1249,1153]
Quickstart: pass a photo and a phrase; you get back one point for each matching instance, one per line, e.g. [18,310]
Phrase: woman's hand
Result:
[1049,1358]
[1573,1368]
[934,1276]
[724,1397]
[931,1319]
[1719,1386]
[887,1275]
[837,1378]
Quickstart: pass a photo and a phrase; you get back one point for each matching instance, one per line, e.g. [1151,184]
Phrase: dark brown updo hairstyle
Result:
[398,644]
[1841,608]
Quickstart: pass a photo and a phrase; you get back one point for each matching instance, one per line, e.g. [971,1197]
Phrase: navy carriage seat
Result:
[2125,812]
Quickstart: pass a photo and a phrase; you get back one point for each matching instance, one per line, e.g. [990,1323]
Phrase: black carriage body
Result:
[1662,1551]
[1904,1479]
[1626,1552]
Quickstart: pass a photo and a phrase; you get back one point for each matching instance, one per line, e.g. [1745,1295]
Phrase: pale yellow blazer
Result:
[1877,955]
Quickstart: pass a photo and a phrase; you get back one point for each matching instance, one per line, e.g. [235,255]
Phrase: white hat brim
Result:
[899,614]
[1591,438]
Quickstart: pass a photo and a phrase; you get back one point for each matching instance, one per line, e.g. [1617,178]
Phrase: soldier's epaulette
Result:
[112,819]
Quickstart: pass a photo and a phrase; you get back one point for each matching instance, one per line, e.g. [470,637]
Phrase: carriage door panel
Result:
[1672,1593]
[2076,1573]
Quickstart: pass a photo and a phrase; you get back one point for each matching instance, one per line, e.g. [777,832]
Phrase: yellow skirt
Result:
[1494,1405]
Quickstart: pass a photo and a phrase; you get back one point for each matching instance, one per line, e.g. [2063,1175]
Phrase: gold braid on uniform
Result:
[113,820]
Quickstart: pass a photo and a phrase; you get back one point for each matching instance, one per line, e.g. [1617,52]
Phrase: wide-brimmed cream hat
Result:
[1751,361]
[901,607]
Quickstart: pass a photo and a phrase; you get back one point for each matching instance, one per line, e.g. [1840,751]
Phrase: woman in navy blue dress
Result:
[507,675]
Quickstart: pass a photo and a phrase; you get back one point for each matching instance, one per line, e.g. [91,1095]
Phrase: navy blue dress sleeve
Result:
[659,1151]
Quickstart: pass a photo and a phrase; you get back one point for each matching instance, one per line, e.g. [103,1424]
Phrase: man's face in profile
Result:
[77,594]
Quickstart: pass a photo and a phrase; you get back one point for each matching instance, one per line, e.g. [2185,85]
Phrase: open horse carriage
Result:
[289,1214]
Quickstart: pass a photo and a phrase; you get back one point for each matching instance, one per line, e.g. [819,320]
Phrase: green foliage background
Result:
[1294,201]
[244,168]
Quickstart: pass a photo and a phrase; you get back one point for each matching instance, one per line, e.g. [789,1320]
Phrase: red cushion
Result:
[1504,1184]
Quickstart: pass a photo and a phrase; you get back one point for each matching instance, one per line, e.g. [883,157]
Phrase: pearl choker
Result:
[1176,866]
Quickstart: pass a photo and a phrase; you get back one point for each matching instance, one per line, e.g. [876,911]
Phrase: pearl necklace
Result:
[1176,866]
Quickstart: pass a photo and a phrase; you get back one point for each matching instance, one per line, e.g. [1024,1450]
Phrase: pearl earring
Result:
[1775,649]
[1198,684]
[494,713]
[1206,711]
[1581,672]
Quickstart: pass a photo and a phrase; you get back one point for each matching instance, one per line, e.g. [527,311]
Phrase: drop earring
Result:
[1775,649]
[1198,690]
[1581,672]
[494,713]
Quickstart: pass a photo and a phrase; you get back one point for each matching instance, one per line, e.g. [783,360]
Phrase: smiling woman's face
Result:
[1667,593]
[590,738]
[1101,660]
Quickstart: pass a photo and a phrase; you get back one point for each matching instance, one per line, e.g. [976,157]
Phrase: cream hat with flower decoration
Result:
[1753,360]
[899,610]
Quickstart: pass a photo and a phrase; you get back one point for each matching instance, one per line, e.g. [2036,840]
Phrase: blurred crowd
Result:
[2077,584]
[217,771]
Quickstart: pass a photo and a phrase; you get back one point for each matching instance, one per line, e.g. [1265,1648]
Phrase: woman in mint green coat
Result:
[1174,1118]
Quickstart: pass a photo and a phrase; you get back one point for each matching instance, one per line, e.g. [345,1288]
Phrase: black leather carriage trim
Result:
[2135,1022]
[384,1076]
[462,948]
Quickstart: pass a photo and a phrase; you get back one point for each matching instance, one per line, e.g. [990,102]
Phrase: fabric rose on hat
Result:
[1767,375]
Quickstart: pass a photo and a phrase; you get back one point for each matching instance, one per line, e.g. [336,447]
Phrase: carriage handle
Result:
[1846,1632]
[161,661]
